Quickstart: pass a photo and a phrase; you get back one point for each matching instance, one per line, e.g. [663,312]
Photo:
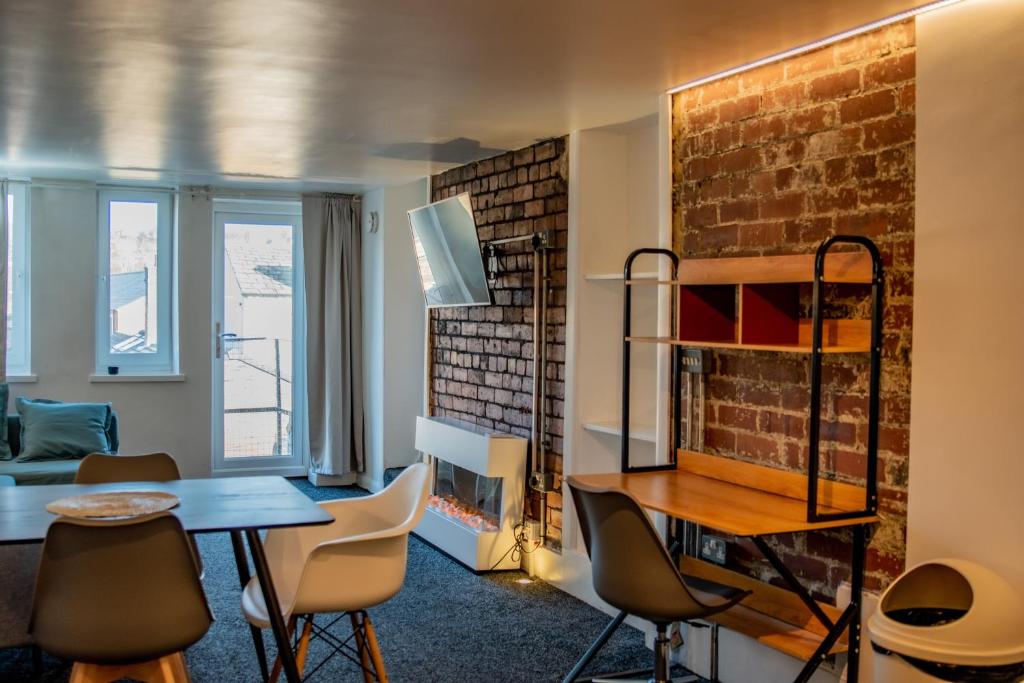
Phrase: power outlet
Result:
[532,531]
[712,548]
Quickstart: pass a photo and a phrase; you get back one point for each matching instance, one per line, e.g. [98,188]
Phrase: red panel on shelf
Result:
[707,313]
[771,314]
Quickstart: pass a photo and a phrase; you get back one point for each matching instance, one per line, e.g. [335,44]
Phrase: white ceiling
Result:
[325,93]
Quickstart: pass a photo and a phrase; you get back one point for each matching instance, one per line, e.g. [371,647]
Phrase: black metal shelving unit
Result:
[849,620]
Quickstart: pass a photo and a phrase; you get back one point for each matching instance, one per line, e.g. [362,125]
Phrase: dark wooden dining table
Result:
[237,505]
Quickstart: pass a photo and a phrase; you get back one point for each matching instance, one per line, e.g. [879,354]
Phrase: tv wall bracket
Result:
[538,240]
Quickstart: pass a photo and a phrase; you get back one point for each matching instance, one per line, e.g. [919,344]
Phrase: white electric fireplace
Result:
[476,496]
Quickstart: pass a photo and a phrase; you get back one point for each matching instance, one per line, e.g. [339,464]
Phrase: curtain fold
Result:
[332,249]
[4,250]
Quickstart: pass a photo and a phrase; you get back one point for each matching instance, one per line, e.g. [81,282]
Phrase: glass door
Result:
[259,337]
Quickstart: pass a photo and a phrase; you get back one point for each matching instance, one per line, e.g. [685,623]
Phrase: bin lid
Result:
[953,612]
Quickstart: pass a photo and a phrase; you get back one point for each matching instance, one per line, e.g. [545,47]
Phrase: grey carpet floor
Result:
[446,625]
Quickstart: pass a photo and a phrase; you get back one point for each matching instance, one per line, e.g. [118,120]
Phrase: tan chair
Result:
[121,598]
[346,567]
[99,468]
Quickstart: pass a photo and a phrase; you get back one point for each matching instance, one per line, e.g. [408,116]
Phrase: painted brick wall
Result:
[772,161]
[481,364]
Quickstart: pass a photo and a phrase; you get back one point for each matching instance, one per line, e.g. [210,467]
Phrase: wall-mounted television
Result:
[448,253]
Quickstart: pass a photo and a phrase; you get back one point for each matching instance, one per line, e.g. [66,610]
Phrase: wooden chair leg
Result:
[378,661]
[169,669]
[275,673]
[364,656]
[80,673]
[303,650]
[173,669]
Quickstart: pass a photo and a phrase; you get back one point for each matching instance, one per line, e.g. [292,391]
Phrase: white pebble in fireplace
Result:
[476,498]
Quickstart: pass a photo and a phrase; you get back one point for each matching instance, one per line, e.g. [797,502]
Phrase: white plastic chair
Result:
[346,567]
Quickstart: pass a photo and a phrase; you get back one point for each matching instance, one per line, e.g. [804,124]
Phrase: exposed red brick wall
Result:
[772,161]
[481,364]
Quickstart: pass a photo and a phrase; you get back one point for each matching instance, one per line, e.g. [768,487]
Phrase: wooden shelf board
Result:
[785,348]
[637,432]
[848,267]
[770,632]
[638,278]
[774,601]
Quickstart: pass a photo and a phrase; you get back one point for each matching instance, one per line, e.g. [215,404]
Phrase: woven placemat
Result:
[114,504]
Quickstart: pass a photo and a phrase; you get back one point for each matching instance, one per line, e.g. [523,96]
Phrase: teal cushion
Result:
[57,431]
[5,446]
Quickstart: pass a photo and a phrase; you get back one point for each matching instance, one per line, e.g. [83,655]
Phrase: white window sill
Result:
[22,379]
[169,377]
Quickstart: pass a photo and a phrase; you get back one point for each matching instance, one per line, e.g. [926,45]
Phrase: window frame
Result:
[19,353]
[165,359]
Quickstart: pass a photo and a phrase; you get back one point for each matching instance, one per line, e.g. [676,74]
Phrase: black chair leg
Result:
[37,661]
[595,648]
[714,653]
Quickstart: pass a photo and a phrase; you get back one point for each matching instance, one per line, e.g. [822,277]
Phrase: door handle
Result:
[219,338]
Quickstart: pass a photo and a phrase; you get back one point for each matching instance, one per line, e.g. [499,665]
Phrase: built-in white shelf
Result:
[637,432]
[597,277]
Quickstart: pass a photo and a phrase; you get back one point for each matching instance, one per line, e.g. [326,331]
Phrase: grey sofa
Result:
[45,471]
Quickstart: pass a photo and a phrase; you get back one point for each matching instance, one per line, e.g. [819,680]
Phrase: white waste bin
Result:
[948,620]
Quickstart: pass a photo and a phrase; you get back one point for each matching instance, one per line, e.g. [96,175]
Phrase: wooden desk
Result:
[736,497]
[235,505]
[755,501]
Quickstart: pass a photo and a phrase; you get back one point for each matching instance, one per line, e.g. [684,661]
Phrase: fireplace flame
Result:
[460,512]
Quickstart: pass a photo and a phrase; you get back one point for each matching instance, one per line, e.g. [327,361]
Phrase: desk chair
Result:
[633,571]
[121,598]
[345,567]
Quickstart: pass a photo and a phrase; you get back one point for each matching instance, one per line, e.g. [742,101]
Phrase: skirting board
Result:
[741,659]
[317,479]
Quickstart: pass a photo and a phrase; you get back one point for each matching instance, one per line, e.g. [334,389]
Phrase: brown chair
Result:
[121,598]
[634,572]
[99,468]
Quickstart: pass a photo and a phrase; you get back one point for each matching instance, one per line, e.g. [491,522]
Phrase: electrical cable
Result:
[518,548]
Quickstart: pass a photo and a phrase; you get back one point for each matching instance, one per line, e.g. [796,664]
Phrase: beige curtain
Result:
[332,247]
[3,278]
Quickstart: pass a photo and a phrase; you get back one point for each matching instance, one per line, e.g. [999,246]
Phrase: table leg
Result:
[284,646]
[242,565]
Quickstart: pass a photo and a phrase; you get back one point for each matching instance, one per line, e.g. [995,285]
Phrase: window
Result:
[18,356]
[134,321]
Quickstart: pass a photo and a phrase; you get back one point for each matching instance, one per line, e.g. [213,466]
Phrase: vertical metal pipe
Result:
[540,310]
[541,375]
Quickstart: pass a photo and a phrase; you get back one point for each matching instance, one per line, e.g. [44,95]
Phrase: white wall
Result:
[176,416]
[170,416]
[966,454]
[394,334]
